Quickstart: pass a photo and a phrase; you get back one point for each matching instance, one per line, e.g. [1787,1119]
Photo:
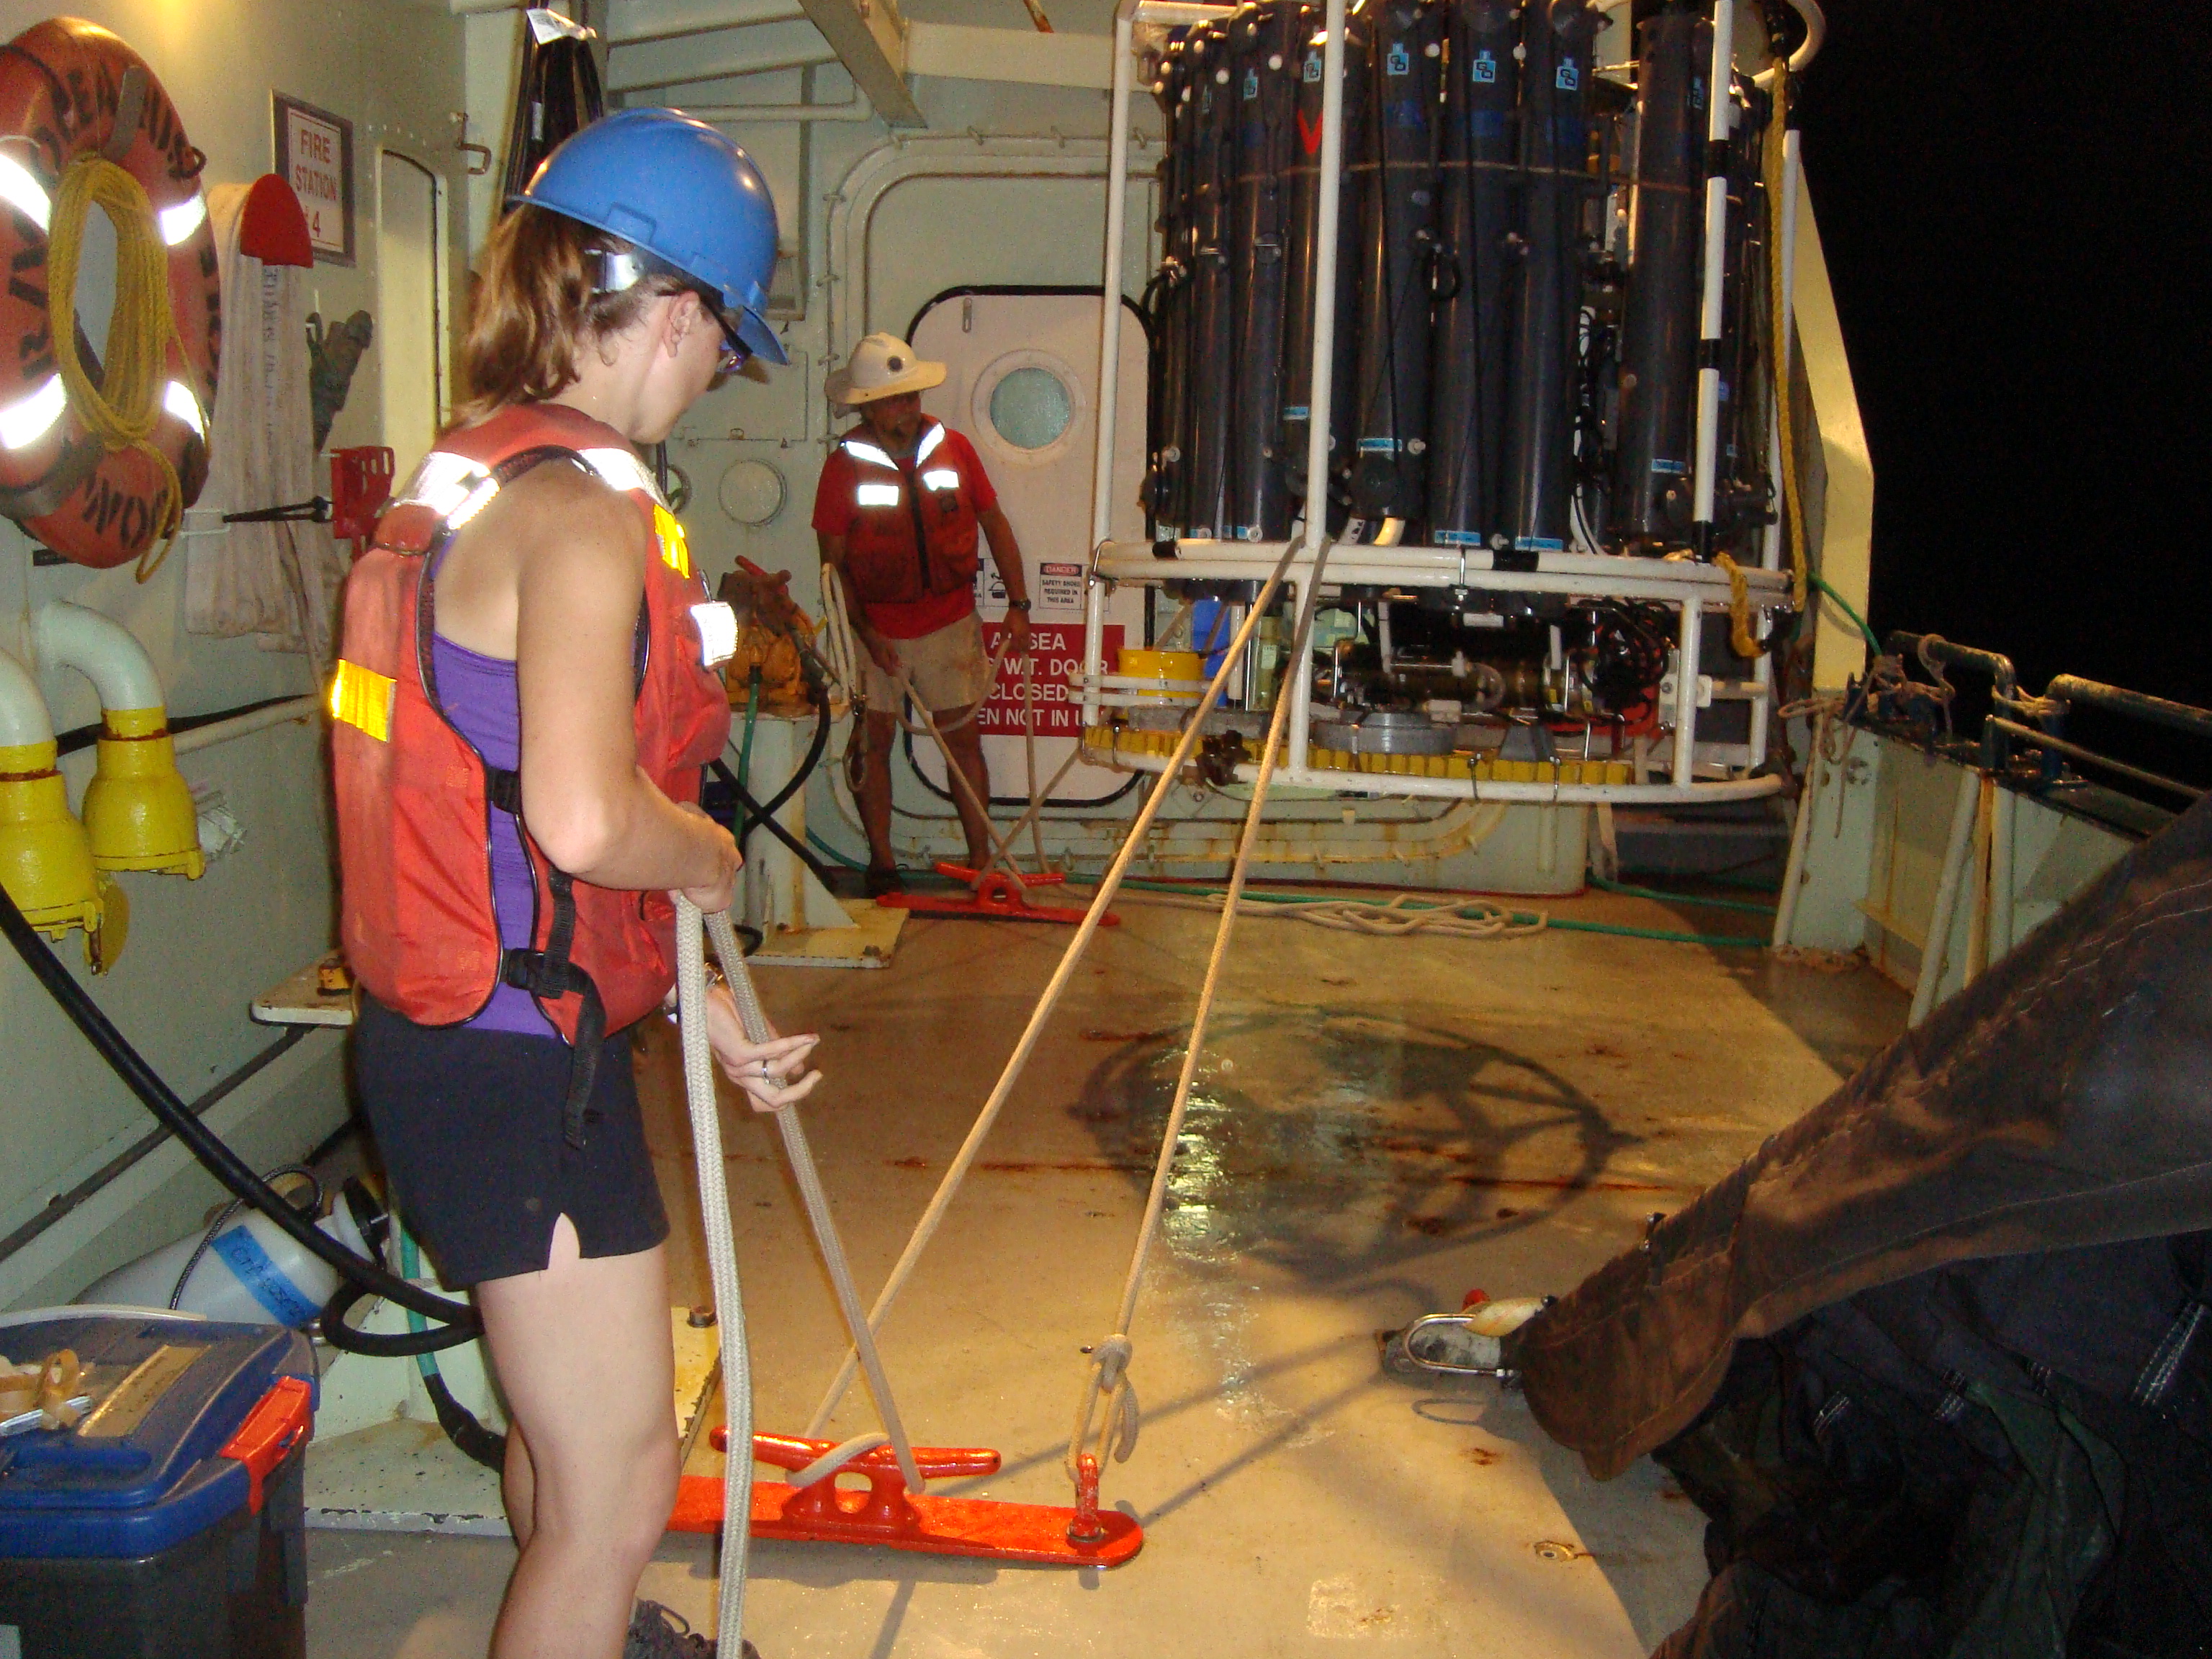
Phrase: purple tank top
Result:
[480,698]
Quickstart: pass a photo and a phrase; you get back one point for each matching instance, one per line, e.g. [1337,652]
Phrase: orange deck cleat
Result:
[889,1517]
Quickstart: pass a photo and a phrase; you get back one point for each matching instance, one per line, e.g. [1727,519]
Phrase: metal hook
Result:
[460,120]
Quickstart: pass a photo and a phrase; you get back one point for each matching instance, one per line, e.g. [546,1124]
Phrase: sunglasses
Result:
[735,352]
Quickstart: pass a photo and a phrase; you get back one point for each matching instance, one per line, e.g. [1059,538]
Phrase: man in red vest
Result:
[902,499]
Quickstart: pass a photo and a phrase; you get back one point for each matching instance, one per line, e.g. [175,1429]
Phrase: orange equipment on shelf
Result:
[888,1516]
[998,896]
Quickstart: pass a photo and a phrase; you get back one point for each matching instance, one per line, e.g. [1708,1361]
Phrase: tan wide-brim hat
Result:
[882,366]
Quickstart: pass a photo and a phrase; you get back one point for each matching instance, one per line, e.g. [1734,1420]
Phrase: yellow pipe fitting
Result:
[137,810]
[45,857]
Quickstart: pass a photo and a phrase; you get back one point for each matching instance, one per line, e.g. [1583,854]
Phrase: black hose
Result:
[796,780]
[399,1345]
[218,1159]
[751,808]
[475,1442]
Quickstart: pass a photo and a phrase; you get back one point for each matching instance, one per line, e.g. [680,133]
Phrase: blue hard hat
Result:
[682,193]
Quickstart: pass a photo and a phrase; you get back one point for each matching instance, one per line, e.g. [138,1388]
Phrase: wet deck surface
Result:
[1379,1127]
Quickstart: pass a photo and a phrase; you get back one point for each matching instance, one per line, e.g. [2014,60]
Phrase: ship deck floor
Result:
[1379,1126]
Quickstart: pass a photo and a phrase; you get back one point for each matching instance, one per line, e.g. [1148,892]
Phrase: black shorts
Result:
[468,1126]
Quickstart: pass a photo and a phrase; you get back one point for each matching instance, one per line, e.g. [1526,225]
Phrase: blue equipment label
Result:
[1569,76]
[1251,83]
[1398,60]
[242,1254]
[1313,66]
[1538,544]
[1484,68]
[1380,446]
[1296,412]
[1459,538]
[1675,468]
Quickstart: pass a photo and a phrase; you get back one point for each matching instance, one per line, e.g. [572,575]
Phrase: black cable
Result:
[556,94]
[475,1442]
[399,1345]
[751,809]
[213,1229]
[792,784]
[218,1159]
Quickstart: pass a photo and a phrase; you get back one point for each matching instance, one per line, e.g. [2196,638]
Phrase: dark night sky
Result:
[2015,207]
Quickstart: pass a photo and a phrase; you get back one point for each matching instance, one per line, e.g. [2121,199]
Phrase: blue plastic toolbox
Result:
[168,1523]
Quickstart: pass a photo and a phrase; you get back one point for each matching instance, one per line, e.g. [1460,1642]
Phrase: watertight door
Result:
[1022,382]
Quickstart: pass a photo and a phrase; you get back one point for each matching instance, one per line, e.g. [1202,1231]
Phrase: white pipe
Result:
[1584,574]
[65,635]
[1400,786]
[1816,33]
[24,717]
[1718,105]
[244,726]
[1298,743]
[1937,949]
[1324,339]
[1801,831]
[1109,352]
[1688,645]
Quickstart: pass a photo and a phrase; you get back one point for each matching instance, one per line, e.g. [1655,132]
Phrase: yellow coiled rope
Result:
[1741,639]
[122,411]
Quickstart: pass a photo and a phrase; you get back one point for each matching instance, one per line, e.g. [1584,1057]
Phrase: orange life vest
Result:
[915,535]
[413,796]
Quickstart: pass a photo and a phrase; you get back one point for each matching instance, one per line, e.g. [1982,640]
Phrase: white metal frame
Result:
[1694,588]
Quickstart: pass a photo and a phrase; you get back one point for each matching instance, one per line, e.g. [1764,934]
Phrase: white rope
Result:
[816,1202]
[839,651]
[722,1259]
[722,1269]
[1107,1373]
[970,1149]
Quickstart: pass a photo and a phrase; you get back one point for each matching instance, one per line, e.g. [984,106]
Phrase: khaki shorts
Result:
[948,669]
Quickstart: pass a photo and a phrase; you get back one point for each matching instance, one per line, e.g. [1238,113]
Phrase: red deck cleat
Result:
[1000,897]
[889,1517]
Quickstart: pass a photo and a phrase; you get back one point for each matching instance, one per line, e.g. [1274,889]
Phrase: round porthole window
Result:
[1031,408]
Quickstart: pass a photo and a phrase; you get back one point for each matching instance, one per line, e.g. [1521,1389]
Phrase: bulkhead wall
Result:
[199,951]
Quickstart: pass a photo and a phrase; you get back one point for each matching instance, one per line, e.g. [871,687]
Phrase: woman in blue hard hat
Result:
[523,708]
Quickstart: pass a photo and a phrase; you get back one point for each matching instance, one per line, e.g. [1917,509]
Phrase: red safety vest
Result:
[413,796]
[915,537]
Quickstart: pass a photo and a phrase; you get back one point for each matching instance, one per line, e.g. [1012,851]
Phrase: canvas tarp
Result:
[2063,1099]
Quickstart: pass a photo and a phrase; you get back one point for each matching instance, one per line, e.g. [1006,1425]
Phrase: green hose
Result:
[1624,888]
[475,1442]
[745,748]
[823,847]
[1844,605]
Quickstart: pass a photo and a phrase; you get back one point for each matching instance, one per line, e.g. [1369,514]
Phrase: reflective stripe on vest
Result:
[941,520]
[455,489]
[362,697]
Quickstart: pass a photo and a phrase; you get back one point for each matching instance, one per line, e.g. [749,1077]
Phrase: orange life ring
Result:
[70,88]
